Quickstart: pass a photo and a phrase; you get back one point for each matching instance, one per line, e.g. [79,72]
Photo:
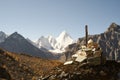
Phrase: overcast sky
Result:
[34,18]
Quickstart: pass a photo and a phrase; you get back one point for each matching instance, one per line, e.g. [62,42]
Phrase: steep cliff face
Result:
[109,41]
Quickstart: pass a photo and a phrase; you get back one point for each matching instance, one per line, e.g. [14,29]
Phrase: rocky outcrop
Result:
[109,41]
[77,71]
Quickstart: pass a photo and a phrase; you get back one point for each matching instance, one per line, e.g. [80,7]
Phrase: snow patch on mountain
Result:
[52,41]
[56,51]
[44,42]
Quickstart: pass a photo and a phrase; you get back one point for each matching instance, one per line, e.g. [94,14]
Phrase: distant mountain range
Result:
[17,43]
[48,47]
[56,45]
[44,47]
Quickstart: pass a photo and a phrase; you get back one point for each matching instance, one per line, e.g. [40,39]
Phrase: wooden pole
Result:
[86,34]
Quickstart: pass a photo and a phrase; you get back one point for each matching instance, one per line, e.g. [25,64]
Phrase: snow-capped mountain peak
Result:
[63,35]
[57,45]
[63,40]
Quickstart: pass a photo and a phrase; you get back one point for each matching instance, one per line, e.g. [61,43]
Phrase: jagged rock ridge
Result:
[109,41]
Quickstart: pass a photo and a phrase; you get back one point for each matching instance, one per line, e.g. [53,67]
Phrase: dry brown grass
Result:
[25,67]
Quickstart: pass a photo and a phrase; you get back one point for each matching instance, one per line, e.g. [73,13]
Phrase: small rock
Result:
[102,73]
[52,77]
[77,73]
[46,77]
[63,74]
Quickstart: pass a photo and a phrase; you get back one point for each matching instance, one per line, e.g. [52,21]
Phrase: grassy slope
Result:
[24,66]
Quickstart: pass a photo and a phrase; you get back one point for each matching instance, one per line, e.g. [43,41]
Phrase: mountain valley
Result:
[22,59]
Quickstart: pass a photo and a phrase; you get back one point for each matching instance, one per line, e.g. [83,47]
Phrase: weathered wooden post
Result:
[86,34]
[86,37]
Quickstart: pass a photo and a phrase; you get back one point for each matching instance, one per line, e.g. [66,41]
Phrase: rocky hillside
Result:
[83,71]
[109,41]
[23,67]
